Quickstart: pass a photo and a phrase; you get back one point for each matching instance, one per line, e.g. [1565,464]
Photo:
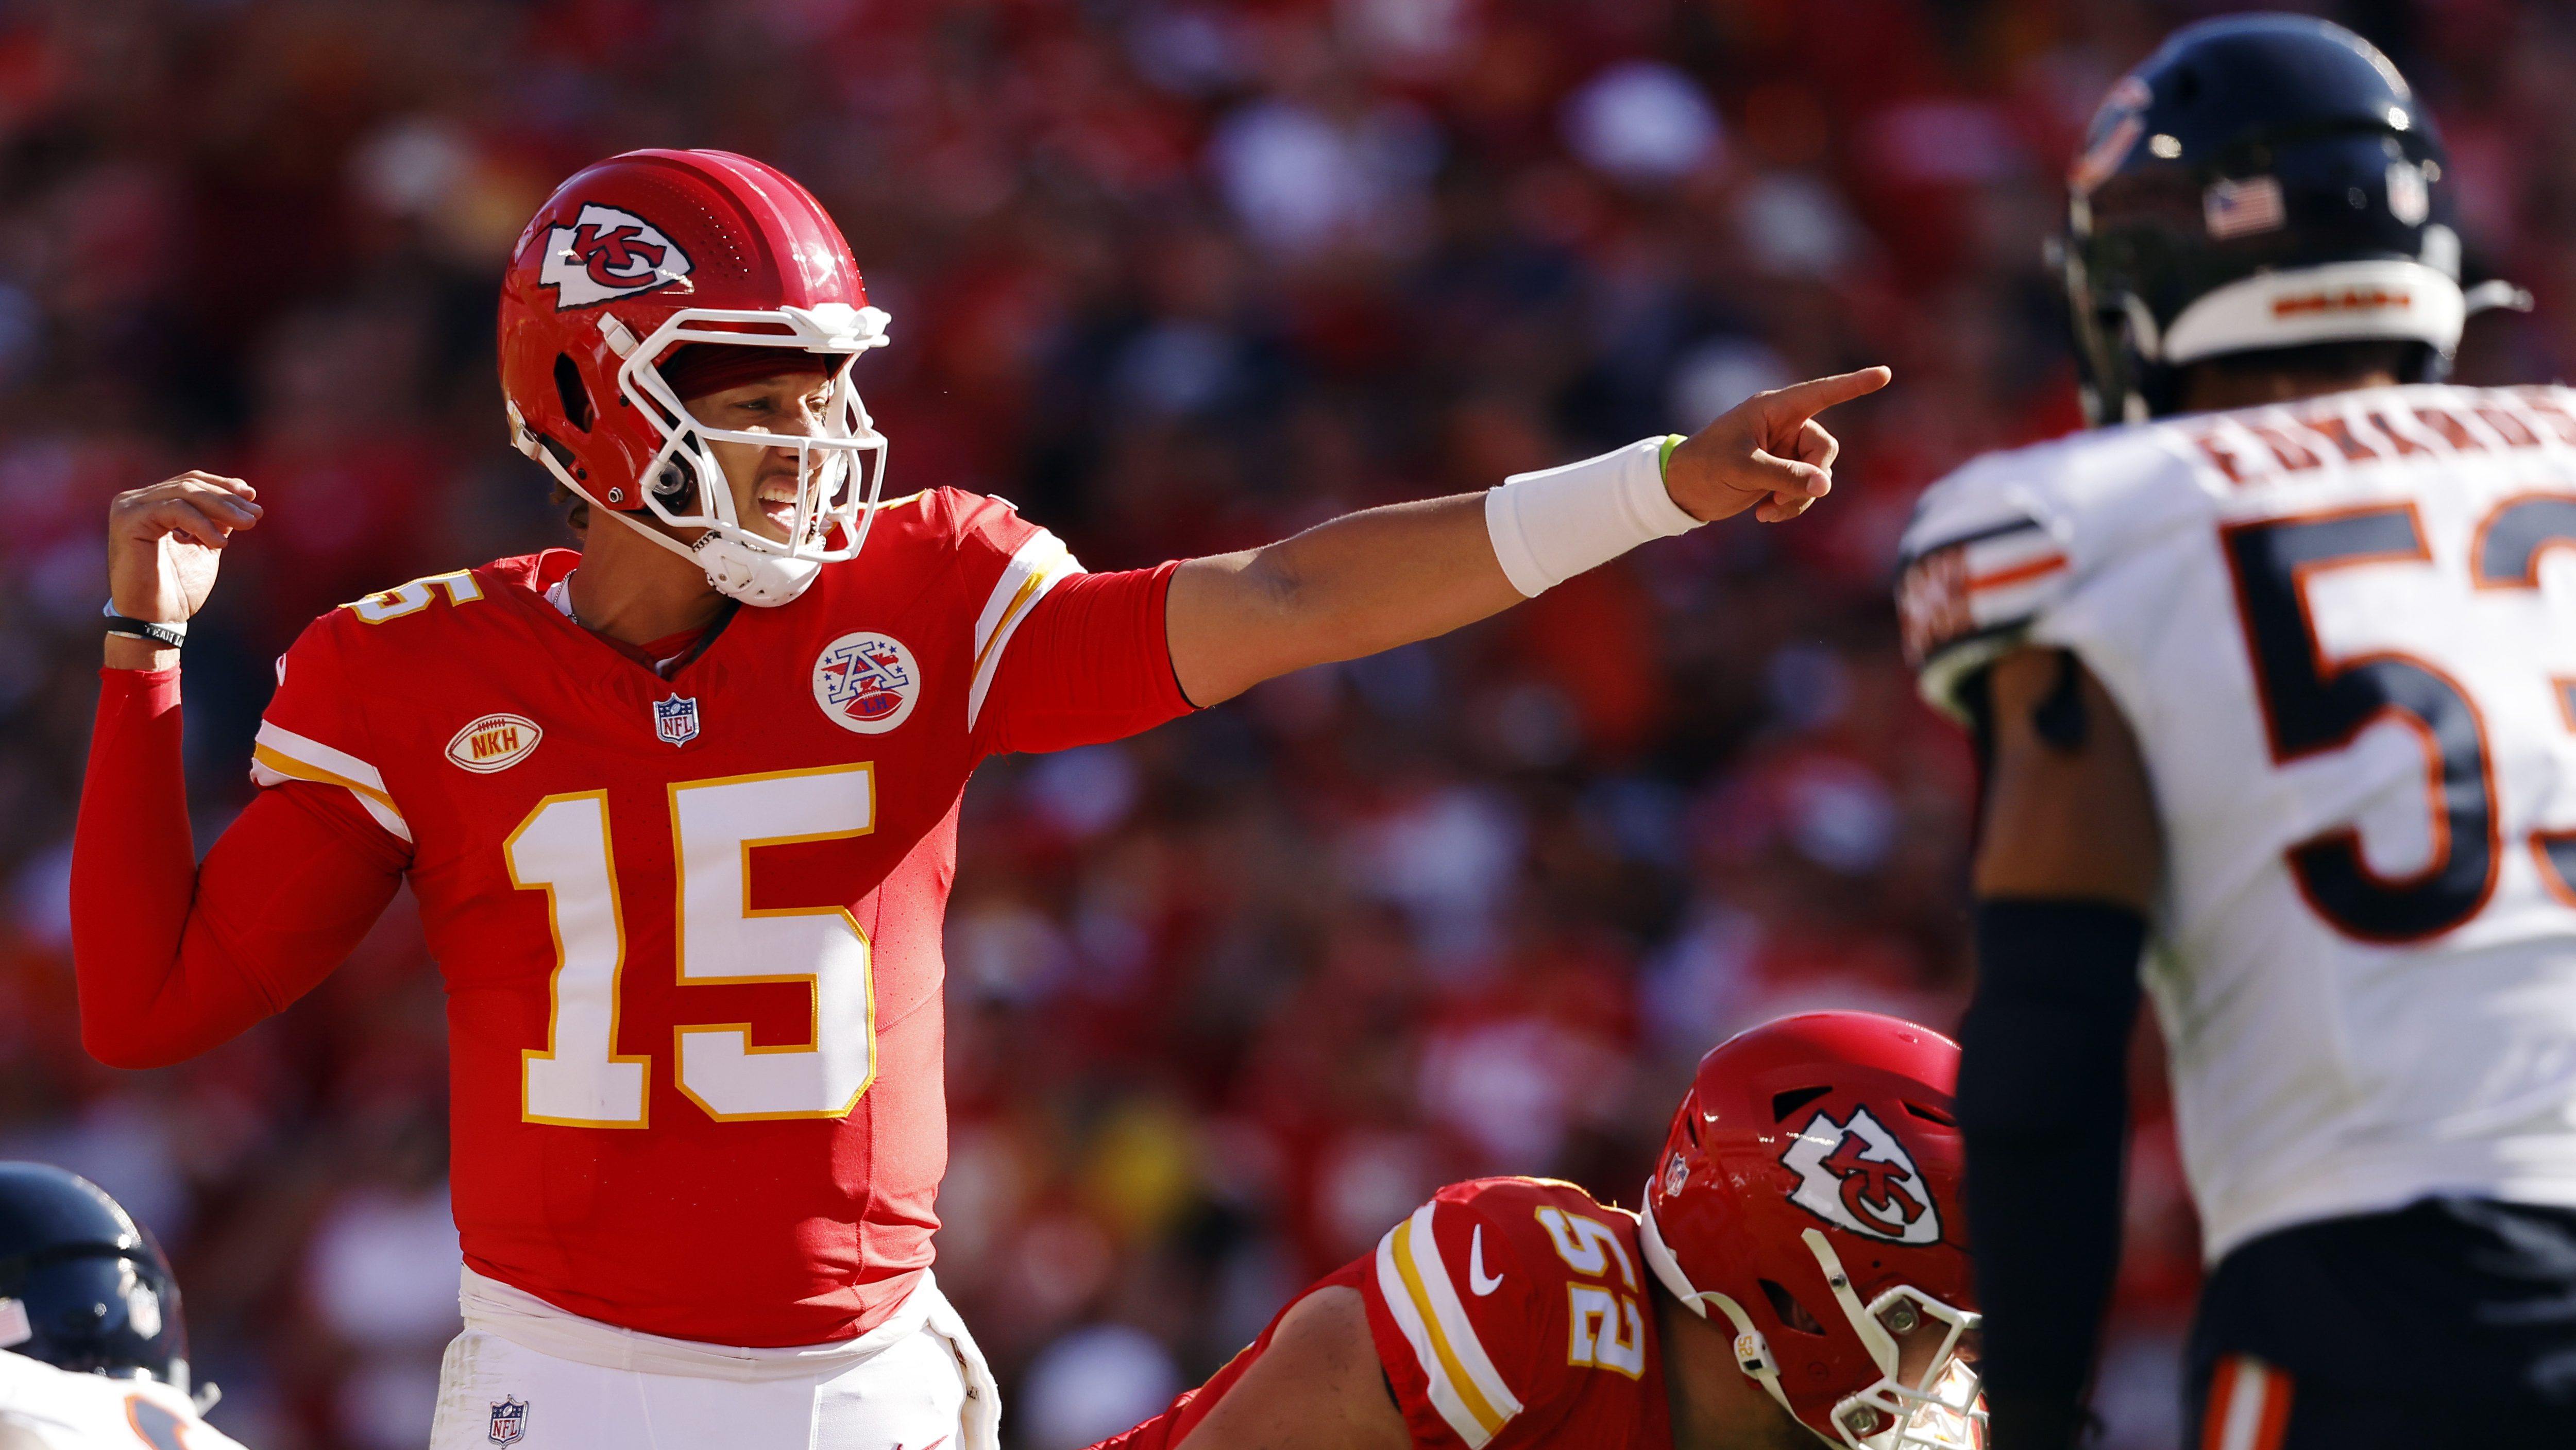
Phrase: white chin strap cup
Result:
[764,581]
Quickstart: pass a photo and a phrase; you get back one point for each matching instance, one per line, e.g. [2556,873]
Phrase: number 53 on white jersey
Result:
[2344,632]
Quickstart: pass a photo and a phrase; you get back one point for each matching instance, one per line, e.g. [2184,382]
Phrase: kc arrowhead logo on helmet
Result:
[607,253]
[1856,1175]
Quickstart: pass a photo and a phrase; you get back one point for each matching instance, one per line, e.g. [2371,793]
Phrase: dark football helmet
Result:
[82,1286]
[2260,182]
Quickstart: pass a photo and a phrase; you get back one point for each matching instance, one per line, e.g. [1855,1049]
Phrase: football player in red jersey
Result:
[1798,1272]
[683,862]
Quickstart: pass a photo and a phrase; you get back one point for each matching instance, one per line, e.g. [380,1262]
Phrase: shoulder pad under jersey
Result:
[1998,543]
[1506,1292]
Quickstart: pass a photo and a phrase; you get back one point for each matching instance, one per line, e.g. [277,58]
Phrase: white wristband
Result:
[1551,525]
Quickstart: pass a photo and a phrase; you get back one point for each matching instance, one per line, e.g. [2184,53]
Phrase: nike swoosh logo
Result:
[1477,1279]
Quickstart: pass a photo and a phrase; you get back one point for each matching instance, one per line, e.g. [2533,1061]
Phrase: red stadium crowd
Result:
[1228,999]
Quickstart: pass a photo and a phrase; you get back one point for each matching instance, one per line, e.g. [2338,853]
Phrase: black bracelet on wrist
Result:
[168,636]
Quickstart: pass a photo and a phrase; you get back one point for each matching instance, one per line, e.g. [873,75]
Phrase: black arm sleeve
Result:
[2043,1104]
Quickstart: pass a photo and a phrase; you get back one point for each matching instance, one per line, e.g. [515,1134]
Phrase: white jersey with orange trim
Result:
[2344,632]
[66,1411]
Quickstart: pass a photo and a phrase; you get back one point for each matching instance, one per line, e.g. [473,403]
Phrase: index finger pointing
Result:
[1800,401]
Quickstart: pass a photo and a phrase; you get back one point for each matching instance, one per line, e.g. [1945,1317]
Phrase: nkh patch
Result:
[509,1421]
[494,742]
[608,253]
[1857,1175]
[676,719]
[866,682]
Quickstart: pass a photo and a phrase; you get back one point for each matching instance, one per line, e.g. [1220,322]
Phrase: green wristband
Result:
[1664,460]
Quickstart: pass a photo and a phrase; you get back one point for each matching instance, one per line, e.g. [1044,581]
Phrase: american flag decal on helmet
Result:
[2243,208]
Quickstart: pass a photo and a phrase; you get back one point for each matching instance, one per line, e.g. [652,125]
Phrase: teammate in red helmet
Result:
[680,808]
[1798,1271]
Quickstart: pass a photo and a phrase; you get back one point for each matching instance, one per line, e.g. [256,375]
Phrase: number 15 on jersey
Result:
[563,848]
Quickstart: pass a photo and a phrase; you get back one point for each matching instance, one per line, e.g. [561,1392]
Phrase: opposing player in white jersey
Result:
[93,1351]
[2273,676]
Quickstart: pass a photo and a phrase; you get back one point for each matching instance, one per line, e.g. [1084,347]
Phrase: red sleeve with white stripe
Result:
[313,728]
[1461,1362]
[175,958]
[1508,1312]
[1062,657]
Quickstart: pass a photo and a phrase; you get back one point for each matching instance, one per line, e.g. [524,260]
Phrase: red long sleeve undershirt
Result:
[173,957]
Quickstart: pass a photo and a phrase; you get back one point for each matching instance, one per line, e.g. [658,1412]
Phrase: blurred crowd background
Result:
[1229,999]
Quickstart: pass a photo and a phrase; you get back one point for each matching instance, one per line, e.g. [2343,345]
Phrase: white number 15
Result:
[562,848]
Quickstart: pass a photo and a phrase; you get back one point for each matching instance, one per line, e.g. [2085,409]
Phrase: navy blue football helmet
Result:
[2260,182]
[82,1286]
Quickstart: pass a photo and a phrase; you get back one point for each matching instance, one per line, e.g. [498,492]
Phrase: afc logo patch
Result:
[676,719]
[1856,1175]
[509,1420]
[866,682]
[607,253]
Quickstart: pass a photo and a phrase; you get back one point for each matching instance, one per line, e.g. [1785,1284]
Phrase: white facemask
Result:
[840,470]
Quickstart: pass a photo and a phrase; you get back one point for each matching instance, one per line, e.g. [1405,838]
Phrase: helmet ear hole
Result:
[1785,1103]
[1791,1312]
[568,387]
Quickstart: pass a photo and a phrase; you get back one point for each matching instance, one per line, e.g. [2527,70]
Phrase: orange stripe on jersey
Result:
[285,764]
[1459,1379]
[2249,1406]
[1002,626]
[2018,573]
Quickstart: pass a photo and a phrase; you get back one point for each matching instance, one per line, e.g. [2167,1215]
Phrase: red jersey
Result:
[690,927]
[1508,1312]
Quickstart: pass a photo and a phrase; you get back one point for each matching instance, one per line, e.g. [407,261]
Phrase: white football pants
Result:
[527,1374]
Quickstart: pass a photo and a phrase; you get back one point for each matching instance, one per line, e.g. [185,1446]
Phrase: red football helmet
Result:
[1809,1189]
[643,254]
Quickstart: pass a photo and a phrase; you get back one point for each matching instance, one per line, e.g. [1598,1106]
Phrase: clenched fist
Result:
[163,546]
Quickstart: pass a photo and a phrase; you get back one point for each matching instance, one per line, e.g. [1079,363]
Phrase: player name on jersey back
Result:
[2344,632]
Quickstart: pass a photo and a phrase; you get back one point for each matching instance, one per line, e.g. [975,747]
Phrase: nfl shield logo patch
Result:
[509,1420]
[676,719]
